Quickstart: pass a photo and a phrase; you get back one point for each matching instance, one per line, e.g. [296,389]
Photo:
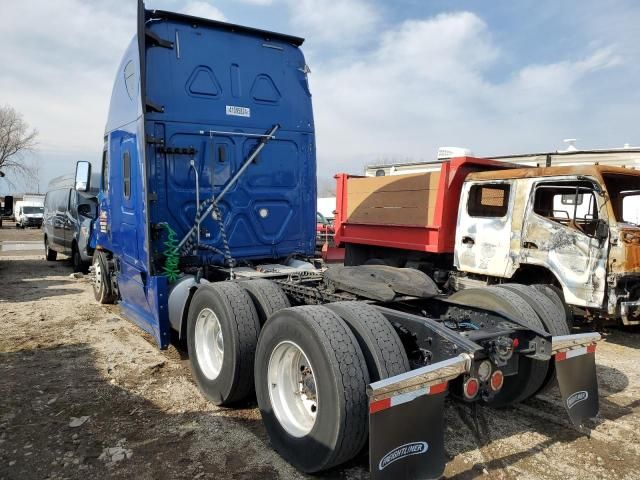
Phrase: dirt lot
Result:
[86,394]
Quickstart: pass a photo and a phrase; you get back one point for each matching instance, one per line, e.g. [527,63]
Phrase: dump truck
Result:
[205,236]
[479,222]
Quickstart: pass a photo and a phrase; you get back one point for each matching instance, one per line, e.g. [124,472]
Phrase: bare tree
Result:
[16,139]
[35,168]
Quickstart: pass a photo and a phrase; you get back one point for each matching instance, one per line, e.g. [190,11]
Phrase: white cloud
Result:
[58,63]
[261,3]
[429,83]
[337,22]
[199,8]
[59,60]
[381,89]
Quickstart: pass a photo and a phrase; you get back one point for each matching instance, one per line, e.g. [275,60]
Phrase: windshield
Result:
[30,210]
[624,192]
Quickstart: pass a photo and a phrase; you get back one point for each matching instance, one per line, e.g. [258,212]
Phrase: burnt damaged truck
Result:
[205,236]
[574,229]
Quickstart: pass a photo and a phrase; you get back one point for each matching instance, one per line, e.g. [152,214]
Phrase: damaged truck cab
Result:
[574,227]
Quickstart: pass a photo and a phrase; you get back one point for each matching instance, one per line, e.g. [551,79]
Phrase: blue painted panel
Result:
[194,89]
[220,79]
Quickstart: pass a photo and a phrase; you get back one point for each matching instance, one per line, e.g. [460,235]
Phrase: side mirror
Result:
[602,230]
[83,176]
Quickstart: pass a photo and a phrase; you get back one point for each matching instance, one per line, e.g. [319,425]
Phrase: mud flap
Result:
[407,439]
[577,379]
[406,422]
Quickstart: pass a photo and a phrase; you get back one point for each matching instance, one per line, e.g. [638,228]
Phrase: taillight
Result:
[497,379]
[470,388]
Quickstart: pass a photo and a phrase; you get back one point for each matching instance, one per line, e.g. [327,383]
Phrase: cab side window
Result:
[105,171]
[126,175]
[572,205]
[490,200]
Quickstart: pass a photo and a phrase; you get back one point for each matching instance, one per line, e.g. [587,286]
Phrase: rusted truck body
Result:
[480,221]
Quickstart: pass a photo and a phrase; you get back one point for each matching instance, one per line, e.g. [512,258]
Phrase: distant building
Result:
[624,157]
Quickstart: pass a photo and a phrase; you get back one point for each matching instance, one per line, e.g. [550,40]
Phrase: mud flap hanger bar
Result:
[575,364]
[263,141]
[406,421]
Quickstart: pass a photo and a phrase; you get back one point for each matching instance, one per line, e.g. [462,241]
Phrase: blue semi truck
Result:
[205,236]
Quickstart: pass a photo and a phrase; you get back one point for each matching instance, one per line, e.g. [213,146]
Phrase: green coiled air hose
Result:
[172,256]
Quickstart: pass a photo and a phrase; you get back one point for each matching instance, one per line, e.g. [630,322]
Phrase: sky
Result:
[391,81]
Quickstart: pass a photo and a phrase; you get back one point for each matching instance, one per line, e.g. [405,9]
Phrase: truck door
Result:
[127,222]
[483,232]
[559,233]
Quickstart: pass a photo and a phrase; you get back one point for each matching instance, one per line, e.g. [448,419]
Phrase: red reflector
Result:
[591,348]
[497,379]
[561,356]
[439,388]
[471,388]
[516,342]
[380,405]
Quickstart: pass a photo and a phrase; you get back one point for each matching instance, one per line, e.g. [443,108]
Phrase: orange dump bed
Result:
[415,211]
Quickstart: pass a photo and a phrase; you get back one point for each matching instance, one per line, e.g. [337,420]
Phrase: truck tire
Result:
[531,373]
[102,290]
[51,255]
[382,348]
[327,424]
[267,297]
[222,333]
[556,296]
[553,317]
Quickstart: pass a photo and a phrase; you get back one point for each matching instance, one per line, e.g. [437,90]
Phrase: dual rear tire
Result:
[309,365]
[222,333]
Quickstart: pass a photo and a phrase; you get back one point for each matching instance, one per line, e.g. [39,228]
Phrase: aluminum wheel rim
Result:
[97,275]
[292,389]
[209,343]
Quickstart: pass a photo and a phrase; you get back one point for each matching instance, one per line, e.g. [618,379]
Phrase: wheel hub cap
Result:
[209,343]
[292,389]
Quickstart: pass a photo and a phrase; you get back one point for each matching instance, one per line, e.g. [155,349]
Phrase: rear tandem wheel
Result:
[531,373]
[553,317]
[382,348]
[267,297]
[311,379]
[222,333]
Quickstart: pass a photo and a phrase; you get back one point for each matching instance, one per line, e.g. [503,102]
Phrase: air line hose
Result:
[172,256]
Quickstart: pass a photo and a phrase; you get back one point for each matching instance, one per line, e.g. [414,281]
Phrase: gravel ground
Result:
[86,394]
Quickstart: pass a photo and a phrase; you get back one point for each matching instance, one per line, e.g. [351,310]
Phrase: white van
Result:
[28,213]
